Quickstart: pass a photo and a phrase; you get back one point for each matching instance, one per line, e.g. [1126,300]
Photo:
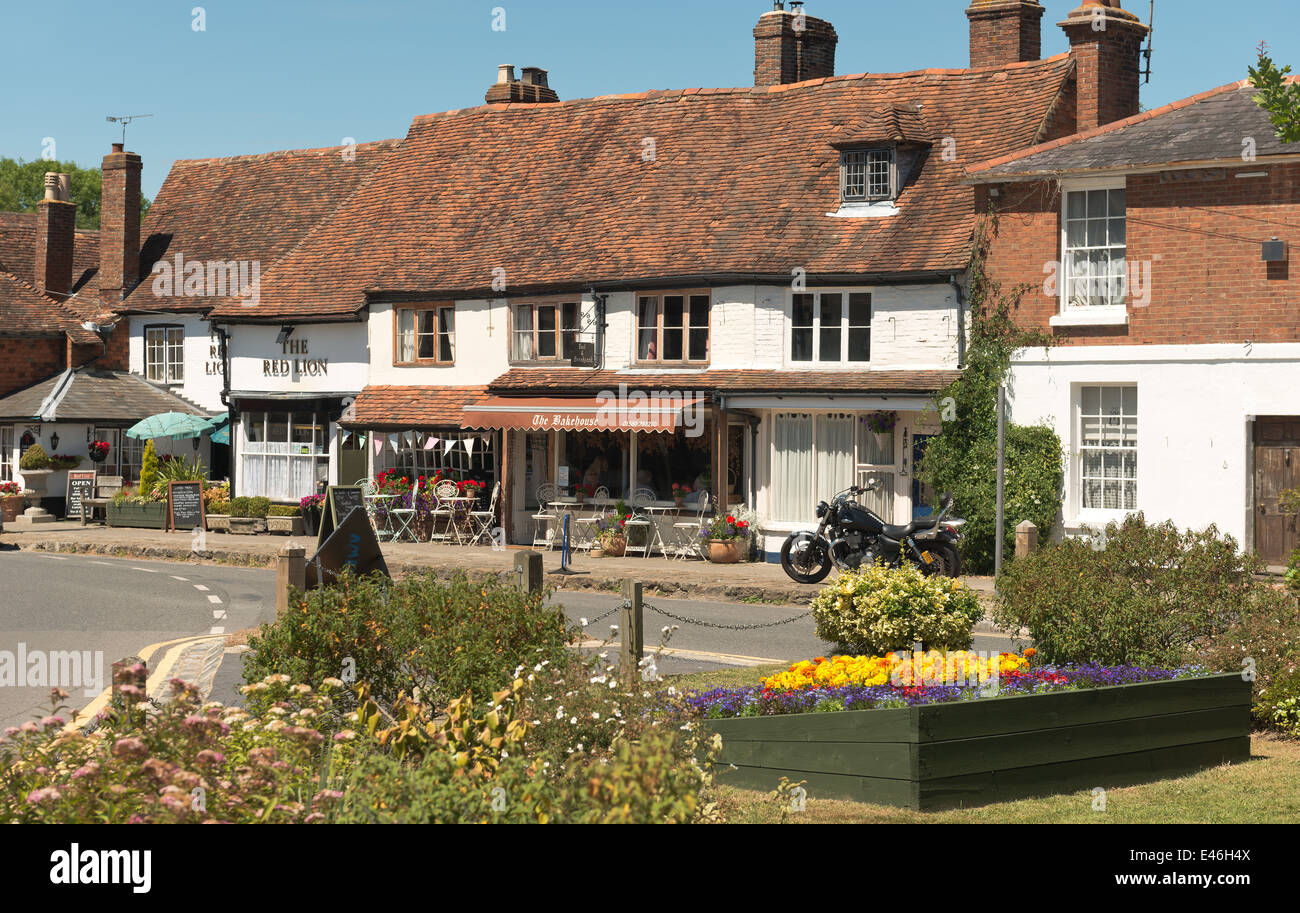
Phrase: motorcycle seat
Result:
[916,526]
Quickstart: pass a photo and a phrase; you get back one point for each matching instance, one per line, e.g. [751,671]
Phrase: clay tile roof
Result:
[248,207]
[892,123]
[92,394]
[547,381]
[24,312]
[1206,127]
[18,258]
[652,186]
[403,408]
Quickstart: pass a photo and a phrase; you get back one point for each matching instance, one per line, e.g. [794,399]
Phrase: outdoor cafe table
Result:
[657,510]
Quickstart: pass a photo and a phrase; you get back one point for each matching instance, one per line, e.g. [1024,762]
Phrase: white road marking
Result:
[104,563]
[145,569]
[54,557]
[181,579]
[215,600]
[218,631]
[219,615]
[200,587]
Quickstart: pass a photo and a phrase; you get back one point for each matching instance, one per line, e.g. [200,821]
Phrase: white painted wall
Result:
[202,384]
[482,347]
[258,364]
[1194,405]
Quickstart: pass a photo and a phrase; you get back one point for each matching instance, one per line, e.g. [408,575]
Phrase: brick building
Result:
[1159,252]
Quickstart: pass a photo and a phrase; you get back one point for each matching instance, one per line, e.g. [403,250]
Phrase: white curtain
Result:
[792,468]
[406,335]
[835,459]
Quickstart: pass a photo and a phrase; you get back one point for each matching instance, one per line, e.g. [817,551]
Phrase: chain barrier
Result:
[711,624]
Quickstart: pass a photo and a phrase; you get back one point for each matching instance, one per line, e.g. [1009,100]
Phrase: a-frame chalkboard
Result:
[340,500]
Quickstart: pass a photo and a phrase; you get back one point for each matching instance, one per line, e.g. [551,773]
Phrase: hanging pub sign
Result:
[81,487]
[185,506]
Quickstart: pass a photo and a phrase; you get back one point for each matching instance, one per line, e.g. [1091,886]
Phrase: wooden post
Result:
[631,629]
[1026,538]
[290,573]
[528,569]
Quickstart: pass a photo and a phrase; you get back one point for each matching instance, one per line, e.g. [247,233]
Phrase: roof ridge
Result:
[742,91]
[1112,127]
[263,156]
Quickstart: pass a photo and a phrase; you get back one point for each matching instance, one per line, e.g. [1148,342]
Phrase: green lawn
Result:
[1261,790]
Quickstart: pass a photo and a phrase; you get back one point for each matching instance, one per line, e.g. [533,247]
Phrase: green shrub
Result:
[256,508]
[879,609]
[34,459]
[281,510]
[1293,571]
[1264,641]
[1144,599]
[149,469]
[445,638]
[221,508]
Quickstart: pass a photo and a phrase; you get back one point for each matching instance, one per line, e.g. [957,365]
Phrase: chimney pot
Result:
[534,76]
[118,147]
[505,74]
[1004,32]
[792,47]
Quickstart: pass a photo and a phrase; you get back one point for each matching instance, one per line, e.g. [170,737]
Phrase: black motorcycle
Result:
[849,536]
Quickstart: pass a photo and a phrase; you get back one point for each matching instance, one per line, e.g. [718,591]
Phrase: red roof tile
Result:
[404,408]
[24,311]
[247,207]
[547,381]
[740,182]
[18,258]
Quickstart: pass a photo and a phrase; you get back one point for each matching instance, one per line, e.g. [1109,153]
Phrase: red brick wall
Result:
[25,361]
[1202,240]
[1108,70]
[782,55]
[119,225]
[56,224]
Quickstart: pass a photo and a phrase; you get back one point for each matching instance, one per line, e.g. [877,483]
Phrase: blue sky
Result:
[280,74]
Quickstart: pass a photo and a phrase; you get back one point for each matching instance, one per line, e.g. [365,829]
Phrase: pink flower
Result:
[129,747]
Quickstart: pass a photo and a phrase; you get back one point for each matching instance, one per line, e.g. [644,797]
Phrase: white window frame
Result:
[845,329]
[1070,314]
[7,461]
[890,156]
[1104,514]
[172,368]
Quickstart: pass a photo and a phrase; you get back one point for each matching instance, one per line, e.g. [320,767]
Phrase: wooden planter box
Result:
[137,516]
[285,526]
[995,749]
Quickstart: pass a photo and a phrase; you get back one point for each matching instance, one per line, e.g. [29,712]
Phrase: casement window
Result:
[867,175]
[1108,436]
[6,454]
[543,331]
[673,327]
[164,354]
[815,456]
[1094,238]
[425,335]
[125,454]
[831,327]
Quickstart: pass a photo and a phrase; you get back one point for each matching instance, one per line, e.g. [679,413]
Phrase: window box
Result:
[977,752]
[137,516]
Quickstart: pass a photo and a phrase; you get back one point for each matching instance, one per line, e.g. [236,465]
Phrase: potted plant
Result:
[583,490]
[310,508]
[679,494]
[612,534]
[248,515]
[284,519]
[470,488]
[138,509]
[99,451]
[11,501]
[64,462]
[727,539]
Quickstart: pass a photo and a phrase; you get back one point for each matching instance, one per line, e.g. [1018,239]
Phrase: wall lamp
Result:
[54,441]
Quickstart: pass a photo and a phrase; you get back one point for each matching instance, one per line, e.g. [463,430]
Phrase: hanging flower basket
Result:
[99,451]
[880,422]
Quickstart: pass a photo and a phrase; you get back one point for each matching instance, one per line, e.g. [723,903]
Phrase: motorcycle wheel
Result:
[951,558]
[803,560]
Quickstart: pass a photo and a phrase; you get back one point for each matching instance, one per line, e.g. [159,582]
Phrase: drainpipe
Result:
[223,338]
[961,322]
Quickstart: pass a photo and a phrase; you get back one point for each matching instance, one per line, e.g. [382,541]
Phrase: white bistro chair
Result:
[586,530]
[643,524]
[688,531]
[444,511]
[485,520]
[545,519]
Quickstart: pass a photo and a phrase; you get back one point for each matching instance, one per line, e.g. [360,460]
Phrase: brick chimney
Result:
[1005,31]
[791,46]
[56,226]
[1106,43]
[533,88]
[119,225]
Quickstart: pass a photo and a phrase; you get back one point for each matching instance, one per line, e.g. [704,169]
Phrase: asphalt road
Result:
[109,609]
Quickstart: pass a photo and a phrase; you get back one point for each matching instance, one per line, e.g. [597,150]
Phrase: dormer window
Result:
[867,175]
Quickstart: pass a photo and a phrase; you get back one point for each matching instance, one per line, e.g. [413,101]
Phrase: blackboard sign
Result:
[81,487]
[352,546]
[185,506]
[339,502]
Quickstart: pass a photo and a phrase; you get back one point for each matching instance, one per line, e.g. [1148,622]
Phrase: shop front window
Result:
[815,456]
[285,454]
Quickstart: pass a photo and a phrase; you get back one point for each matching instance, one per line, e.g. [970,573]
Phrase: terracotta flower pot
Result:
[614,546]
[10,507]
[727,551]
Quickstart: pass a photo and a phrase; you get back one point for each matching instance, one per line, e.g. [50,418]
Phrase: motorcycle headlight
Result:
[822,507]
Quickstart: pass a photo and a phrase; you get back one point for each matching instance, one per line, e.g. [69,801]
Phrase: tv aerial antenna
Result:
[1146,52]
[124,120]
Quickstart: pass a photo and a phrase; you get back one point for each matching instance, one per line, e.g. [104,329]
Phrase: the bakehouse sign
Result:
[296,363]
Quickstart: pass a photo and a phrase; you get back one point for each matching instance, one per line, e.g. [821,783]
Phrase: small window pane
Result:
[801,344]
[546,326]
[1076,205]
[1096,204]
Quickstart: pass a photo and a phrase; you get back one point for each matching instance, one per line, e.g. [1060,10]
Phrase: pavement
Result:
[745,582]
